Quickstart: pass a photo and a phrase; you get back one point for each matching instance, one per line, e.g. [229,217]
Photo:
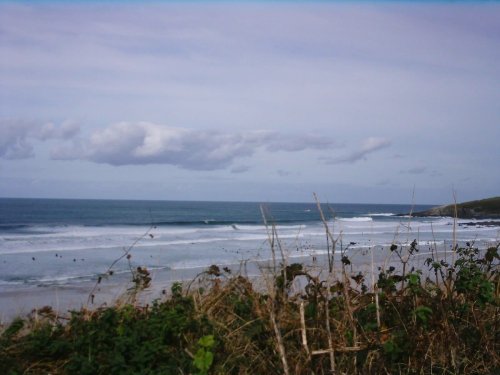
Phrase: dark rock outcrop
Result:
[480,209]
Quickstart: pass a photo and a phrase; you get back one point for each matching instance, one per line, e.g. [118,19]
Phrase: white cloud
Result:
[425,76]
[149,143]
[66,130]
[368,146]
[16,136]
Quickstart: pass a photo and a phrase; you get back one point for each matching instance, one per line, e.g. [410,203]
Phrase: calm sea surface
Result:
[51,241]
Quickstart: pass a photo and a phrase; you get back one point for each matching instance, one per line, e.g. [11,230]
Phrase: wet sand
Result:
[21,300]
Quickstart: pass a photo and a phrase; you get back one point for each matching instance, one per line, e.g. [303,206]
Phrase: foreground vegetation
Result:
[440,320]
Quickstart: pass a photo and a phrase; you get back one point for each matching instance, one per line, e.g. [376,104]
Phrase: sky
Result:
[360,102]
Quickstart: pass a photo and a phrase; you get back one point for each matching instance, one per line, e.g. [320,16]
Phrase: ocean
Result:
[46,242]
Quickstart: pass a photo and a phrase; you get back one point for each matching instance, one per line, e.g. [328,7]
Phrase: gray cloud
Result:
[148,143]
[283,173]
[368,146]
[435,173]
[293,143]
[240,169]
[16,136]
[384,182]
[416,170]
[421,169]
[14,139]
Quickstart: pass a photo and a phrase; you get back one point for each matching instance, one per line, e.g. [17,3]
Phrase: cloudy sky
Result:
[253,101]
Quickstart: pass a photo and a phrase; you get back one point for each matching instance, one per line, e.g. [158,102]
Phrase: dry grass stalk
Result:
[304,331]
[345,282]
[270,236]
[455,218]
[126,254]
[342,349]
[329,236]
[329,331]
[375,289]
[279,338]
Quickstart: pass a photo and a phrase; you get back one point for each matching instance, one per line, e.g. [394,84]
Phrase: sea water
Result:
[47,242]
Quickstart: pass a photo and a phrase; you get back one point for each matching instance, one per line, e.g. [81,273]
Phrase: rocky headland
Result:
[480,209]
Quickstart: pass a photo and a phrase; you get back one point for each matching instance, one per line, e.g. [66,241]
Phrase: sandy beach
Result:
[21,300]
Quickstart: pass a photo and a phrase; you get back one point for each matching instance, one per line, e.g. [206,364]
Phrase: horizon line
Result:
[226,201]
[235,2]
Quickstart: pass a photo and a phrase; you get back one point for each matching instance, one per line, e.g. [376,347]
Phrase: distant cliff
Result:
[481,209]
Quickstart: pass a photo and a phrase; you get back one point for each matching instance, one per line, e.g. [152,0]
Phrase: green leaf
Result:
[207,341]
[423,313]
[13,329]
[203,360]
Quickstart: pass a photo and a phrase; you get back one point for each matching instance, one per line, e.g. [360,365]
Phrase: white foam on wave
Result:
[355,219]
[192,241]
[14,281]
[382,214]
[77,231]
[300,226]
[26,247]
[64,279]
[428,243]
[261,227]
[64,247]
[72,232]
[248,227]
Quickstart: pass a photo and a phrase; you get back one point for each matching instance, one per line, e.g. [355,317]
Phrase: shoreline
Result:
[21,300]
